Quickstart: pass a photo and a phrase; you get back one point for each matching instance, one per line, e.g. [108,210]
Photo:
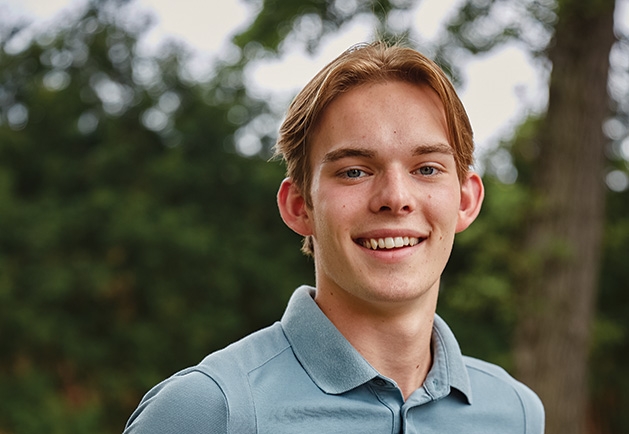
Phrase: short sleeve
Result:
[533,410]
[189,402]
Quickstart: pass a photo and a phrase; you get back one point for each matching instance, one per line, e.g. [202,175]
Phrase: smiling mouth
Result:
[389,242]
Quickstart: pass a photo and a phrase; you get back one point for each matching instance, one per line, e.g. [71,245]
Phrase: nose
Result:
[393,193]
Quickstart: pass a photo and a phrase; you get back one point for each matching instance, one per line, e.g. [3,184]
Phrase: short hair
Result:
[362,64]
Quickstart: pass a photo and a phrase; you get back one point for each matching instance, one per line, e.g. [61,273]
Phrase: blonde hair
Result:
[361,64]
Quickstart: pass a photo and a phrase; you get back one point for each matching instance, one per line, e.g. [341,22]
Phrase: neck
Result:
[396,341]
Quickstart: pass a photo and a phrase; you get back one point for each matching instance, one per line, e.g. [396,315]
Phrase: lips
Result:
[387,243]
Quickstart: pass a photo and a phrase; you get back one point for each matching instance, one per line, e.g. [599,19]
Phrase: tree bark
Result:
[558,279]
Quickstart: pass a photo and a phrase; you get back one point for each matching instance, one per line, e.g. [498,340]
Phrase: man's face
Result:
[386,199]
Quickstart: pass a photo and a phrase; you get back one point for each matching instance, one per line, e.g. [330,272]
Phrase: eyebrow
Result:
[438,148]
[348,152]
[339,154]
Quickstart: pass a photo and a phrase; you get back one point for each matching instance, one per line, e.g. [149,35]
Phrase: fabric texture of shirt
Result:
[302,376]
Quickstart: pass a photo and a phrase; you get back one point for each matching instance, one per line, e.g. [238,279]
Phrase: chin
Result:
[399,292]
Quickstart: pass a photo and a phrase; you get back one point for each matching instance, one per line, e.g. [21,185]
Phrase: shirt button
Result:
[437,386]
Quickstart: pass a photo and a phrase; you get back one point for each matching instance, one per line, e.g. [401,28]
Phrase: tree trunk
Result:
[558,281]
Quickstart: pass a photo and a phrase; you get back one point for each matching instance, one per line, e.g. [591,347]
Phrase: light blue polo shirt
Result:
[301,376]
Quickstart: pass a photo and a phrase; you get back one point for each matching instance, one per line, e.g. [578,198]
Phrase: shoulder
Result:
[247,353]
[206,397]
[189,401]
[491,380]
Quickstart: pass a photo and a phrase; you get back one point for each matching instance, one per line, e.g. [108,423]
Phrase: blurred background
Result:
[138,227]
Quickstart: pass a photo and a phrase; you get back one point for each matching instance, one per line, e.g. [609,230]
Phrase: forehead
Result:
[381,115]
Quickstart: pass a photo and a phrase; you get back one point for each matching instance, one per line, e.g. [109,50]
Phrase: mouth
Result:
[389,243]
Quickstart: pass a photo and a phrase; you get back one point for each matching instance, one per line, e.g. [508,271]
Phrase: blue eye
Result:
[427,170]
[354,173]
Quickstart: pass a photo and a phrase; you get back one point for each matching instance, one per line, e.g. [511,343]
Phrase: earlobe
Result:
[293,210]
[472,195]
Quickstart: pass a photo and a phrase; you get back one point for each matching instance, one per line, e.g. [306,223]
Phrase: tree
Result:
[559,282]
[556,275]
[548,289]
[135,239]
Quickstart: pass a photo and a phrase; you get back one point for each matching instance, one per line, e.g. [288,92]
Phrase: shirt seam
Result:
[211,378]
[512,387]
[253,403]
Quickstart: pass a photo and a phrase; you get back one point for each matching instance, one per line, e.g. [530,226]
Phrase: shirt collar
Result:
[336,367]
[328,358]
[448,366]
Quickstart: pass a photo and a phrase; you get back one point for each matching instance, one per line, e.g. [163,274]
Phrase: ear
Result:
[472,194]
[293,210]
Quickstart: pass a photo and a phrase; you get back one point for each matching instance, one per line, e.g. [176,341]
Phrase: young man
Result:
[378,148]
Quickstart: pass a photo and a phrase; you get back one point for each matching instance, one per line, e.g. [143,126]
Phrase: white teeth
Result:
[390,242]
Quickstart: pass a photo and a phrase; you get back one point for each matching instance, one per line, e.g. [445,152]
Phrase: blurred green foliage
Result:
[135,239]
[130,246]
[312,19]
[478,296]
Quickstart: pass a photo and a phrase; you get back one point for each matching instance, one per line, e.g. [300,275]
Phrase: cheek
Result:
[332,220]
[332,202]
[443,209]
